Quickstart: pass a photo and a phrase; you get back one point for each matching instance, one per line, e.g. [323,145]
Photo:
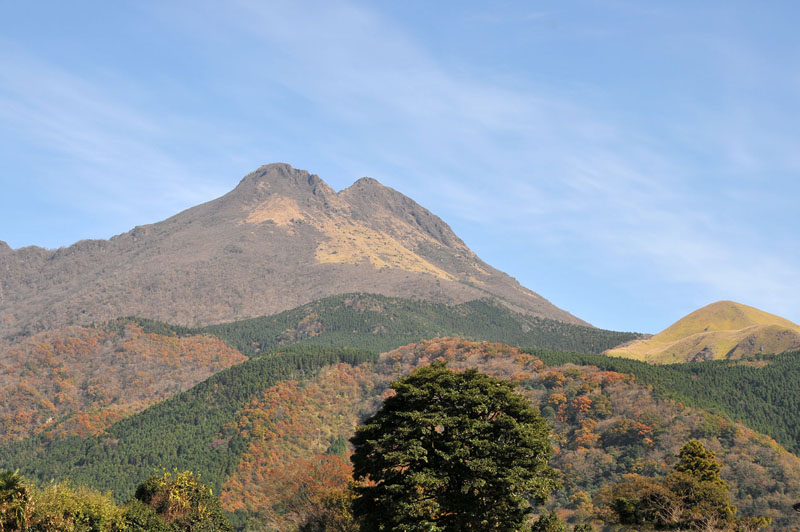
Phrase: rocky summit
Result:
[280,239]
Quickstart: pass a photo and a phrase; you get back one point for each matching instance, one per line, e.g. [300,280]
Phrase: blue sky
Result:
[629,160]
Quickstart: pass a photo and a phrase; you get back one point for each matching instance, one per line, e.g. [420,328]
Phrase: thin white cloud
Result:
[523,158]
[513,155]
[111,145]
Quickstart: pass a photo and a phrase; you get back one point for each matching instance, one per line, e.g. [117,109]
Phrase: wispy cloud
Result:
[540,163]
[523,156]
[113,149]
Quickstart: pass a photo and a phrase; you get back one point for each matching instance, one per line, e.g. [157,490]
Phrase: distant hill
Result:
[380,323]
[280,239]
[722,330]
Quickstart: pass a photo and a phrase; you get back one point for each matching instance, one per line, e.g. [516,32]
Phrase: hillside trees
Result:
[692,497]
[184,431]
[169,502]
[450,452]
[762,392]
[15,497]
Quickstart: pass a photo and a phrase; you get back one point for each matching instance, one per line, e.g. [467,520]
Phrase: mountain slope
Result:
[380,323]
[280,239]
[722,330]
[78,380]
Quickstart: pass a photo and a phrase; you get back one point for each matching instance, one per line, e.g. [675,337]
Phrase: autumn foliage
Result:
[604,427]
[78,380]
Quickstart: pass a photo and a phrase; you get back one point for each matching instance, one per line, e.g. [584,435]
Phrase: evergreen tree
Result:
[696,482]
[698,462]
[450,452]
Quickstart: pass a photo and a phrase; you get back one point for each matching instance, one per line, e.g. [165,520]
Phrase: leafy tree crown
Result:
[451,451]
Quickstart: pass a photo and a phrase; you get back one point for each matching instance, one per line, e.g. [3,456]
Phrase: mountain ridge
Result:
[281,238]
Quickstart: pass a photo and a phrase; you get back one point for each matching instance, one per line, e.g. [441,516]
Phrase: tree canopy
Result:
[450,452]
[169,502]
[692,497]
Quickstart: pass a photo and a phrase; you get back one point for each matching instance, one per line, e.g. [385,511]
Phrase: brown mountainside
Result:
[79,380]
[280,239]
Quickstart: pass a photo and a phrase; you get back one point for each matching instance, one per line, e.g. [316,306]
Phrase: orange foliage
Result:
[581,404]
[78,380]
[554,379]
[557,399]
[284,470]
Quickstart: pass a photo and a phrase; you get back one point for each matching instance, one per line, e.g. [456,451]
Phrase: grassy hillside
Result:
[380,323]
[722,330]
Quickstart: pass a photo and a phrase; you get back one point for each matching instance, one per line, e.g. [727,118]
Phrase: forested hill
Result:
[189,431]
[380,323]
[761,391]
[271,432]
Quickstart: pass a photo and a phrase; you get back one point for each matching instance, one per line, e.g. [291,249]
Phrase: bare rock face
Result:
[280,239]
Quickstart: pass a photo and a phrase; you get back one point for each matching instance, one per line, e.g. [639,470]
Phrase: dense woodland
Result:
[189,431]
[762,392]
[79,380]
[270,434]
[380,323]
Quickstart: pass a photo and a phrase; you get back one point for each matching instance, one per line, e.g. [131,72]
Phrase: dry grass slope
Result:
[721,330]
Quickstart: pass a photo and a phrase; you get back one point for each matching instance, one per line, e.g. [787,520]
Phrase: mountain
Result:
[280,239]
[722,330]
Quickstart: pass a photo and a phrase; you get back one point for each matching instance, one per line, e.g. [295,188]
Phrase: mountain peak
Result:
[281,178]
[280,239]
[366,182]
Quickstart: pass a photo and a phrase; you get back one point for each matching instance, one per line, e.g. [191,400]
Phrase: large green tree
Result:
[451,451]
